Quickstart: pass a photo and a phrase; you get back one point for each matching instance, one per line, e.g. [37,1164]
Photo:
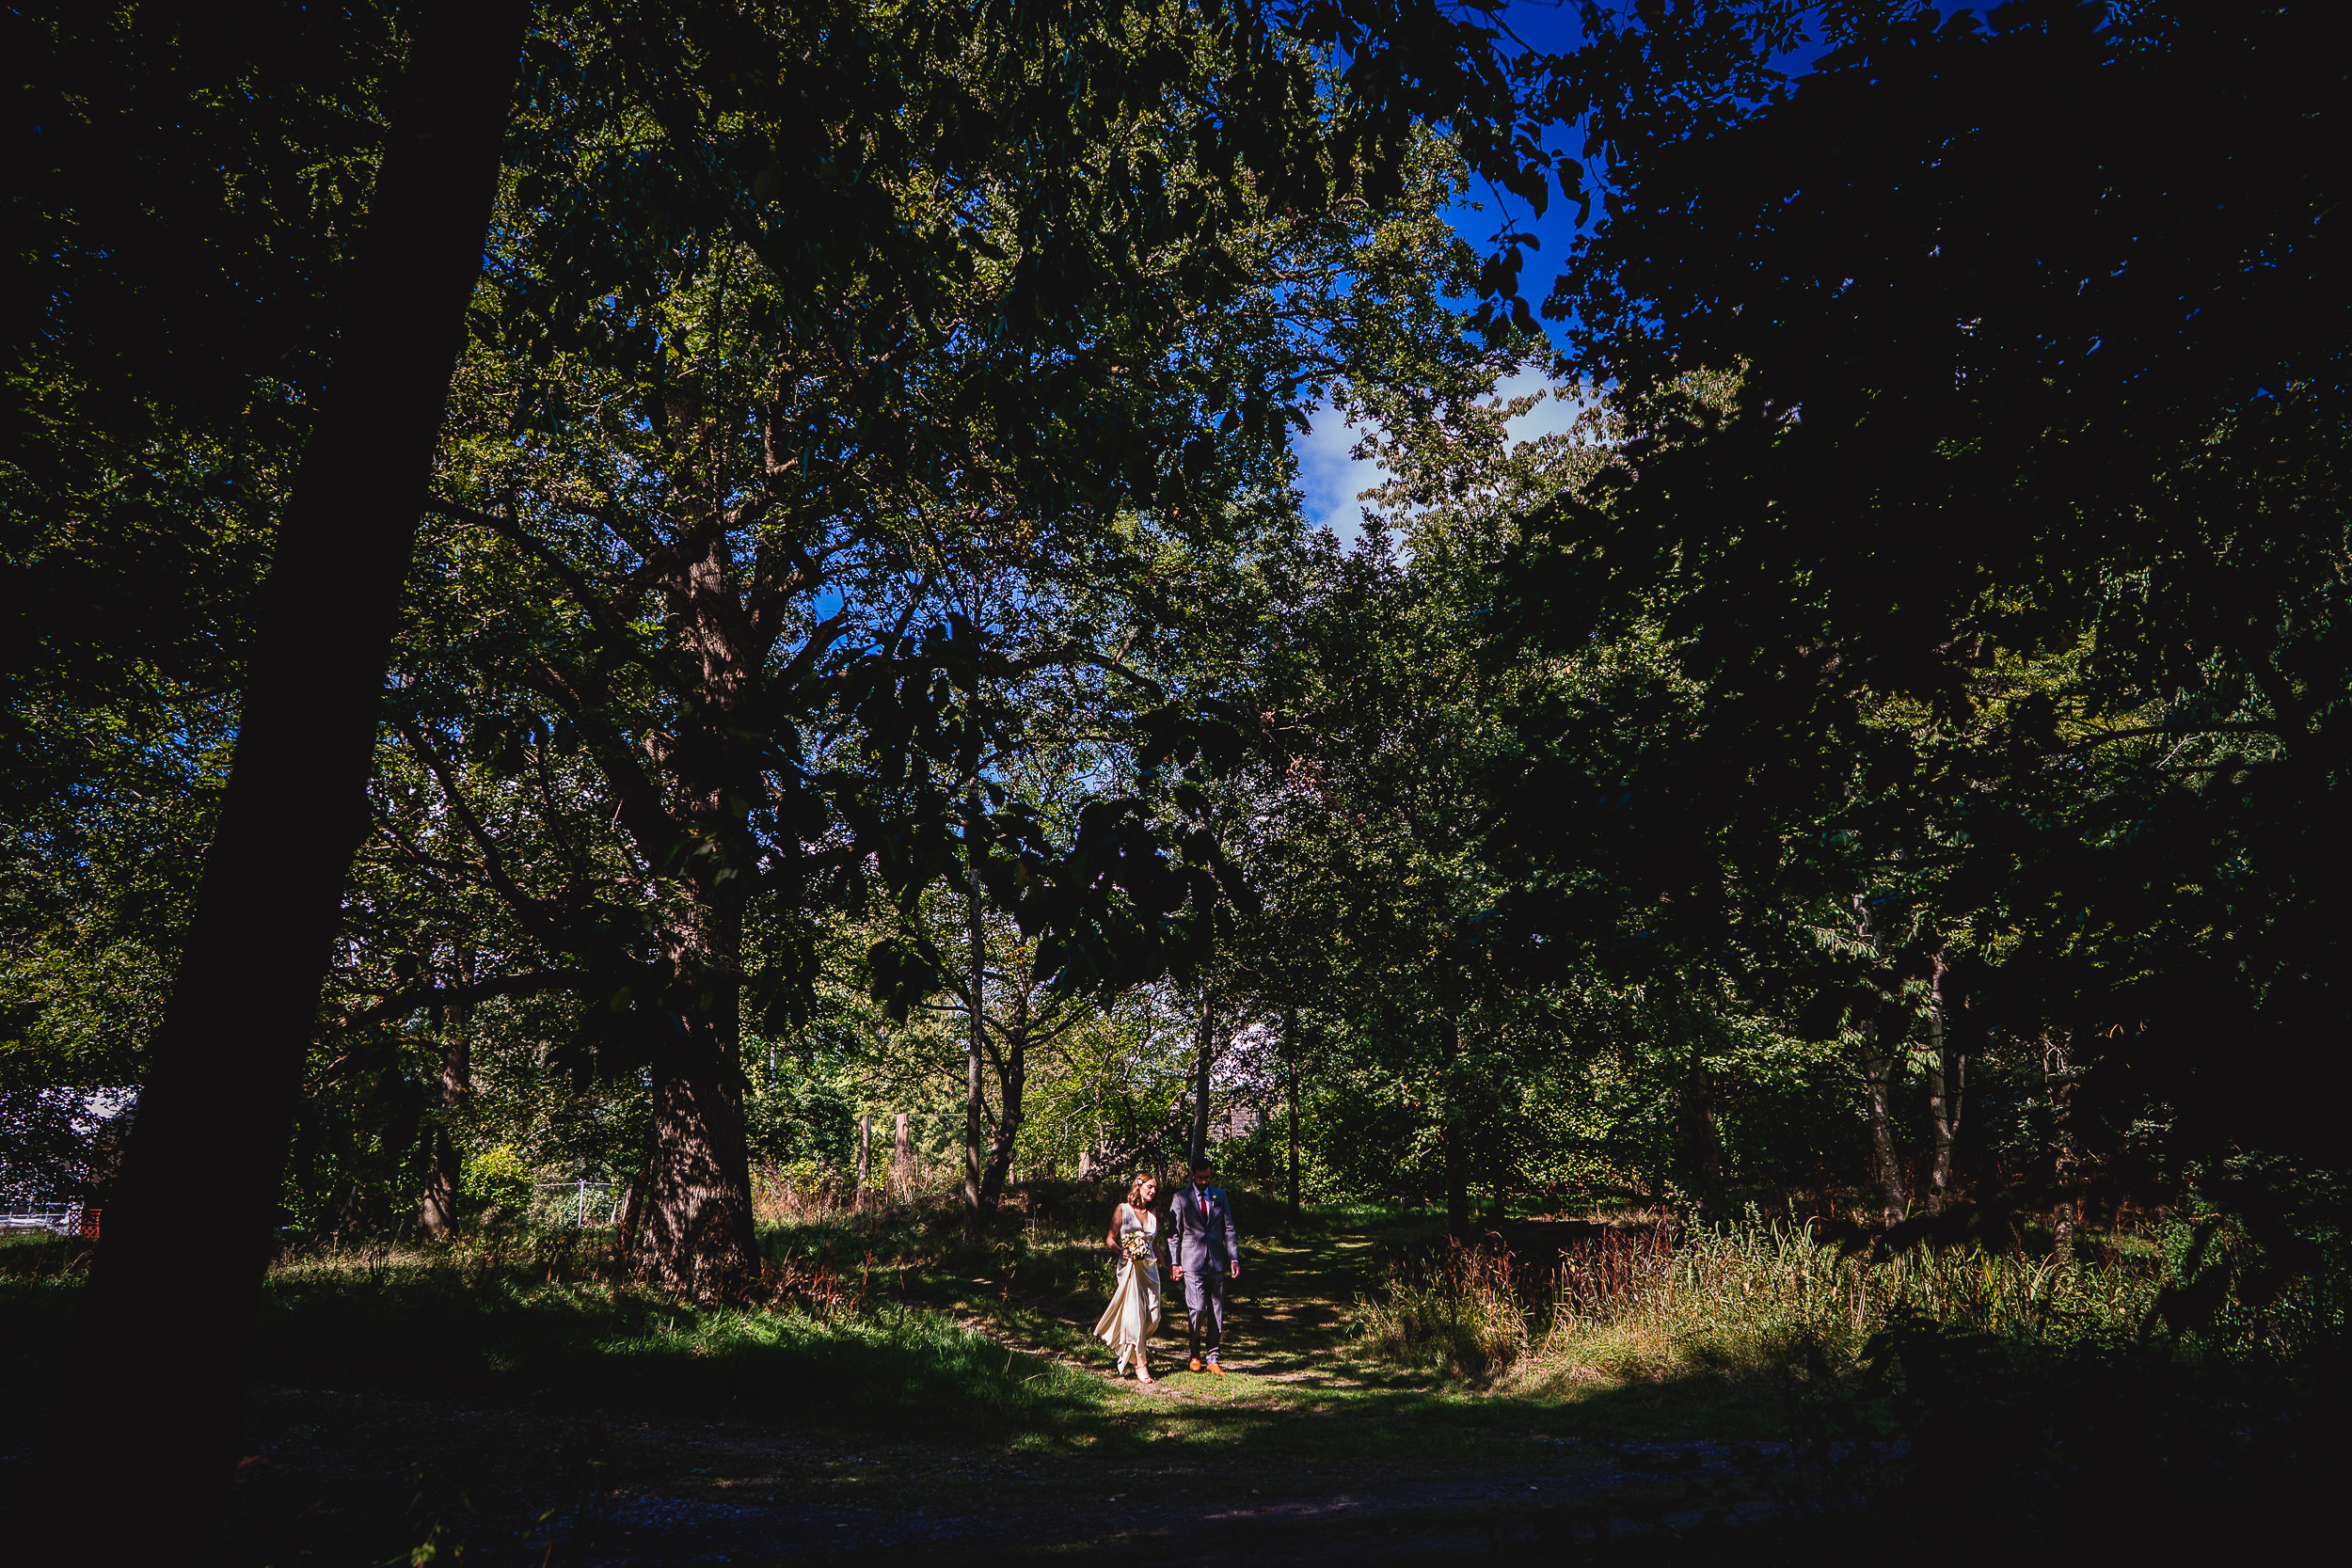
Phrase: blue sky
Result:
[1328,478]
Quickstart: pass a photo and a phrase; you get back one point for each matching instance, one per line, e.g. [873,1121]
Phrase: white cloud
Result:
[1554,416]
[1329,480]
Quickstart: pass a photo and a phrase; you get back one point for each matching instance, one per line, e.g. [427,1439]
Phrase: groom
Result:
[1204,1254]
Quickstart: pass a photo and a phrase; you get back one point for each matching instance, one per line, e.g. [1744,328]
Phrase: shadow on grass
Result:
[488,1331]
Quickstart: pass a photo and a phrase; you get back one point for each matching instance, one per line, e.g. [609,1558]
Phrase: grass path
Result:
[1285,1328]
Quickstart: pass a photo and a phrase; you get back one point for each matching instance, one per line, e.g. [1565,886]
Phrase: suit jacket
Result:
[1200,1229]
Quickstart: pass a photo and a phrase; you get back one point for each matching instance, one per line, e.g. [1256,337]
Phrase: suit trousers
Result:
[1204,1311]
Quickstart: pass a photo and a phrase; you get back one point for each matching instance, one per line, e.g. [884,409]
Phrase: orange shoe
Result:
[1194,1364]
[1218,1369]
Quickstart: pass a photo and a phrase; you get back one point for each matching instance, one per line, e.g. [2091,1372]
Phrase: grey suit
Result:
[1202,1243]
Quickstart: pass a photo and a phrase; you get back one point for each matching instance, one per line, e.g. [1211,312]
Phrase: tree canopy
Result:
[1876,748]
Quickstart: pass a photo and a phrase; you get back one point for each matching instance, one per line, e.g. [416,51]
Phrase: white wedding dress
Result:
[1128,1323]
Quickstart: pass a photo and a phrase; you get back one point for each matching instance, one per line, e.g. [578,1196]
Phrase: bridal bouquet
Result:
[1136,1245]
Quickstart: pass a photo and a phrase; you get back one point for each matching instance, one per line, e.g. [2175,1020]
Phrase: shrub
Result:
[496,1179]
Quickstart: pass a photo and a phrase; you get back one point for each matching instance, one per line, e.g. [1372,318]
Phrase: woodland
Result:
[666,665]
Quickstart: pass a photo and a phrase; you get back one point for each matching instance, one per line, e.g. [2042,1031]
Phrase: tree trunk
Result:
[1197,1147]
[436,1212]
[2057,1084]
[901,1156]
[1012,1082]
[1456,1134]
[1948,1078]
[697,1236]
[1702,1143]
[632,1215]
[1878,1079]
[1012,1078]
[974,1043]
[153,1411]
[865,1159]
[1290,1098]
[1879,1068]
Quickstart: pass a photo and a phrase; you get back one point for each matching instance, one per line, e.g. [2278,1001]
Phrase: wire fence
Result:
[58,1219]
[575,1205]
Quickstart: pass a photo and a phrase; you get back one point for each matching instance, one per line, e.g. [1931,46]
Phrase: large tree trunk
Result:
[696,1237]
[1948,1076]
[143,1435]
[437,1211]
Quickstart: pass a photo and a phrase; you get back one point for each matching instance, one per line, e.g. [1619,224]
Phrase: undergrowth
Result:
[529,1324]
[1755,1298]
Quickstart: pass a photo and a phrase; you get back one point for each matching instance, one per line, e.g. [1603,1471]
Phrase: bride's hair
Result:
[1134,1190]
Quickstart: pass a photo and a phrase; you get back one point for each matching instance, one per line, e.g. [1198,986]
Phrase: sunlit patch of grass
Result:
[1458,1313]
[1741,1301]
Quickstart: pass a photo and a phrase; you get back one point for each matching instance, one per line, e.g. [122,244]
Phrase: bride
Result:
[1135,1310]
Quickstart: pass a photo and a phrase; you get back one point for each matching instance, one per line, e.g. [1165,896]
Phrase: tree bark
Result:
[437,1211]
[1457,1134]
[153,1411]
[974,1043]
[1878,1081]
[1290,1098]
[1197,1147]
[697,1236]
[1012,1078]
[2058,1084]
[1702,1142]
[1948,1078]
[865,1159]
[1879,1068]
[901,1156]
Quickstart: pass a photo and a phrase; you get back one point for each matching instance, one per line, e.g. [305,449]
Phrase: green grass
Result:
[897,1364]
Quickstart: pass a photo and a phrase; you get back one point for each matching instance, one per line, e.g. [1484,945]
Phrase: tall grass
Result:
[1459,1312]
[1751,1297]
